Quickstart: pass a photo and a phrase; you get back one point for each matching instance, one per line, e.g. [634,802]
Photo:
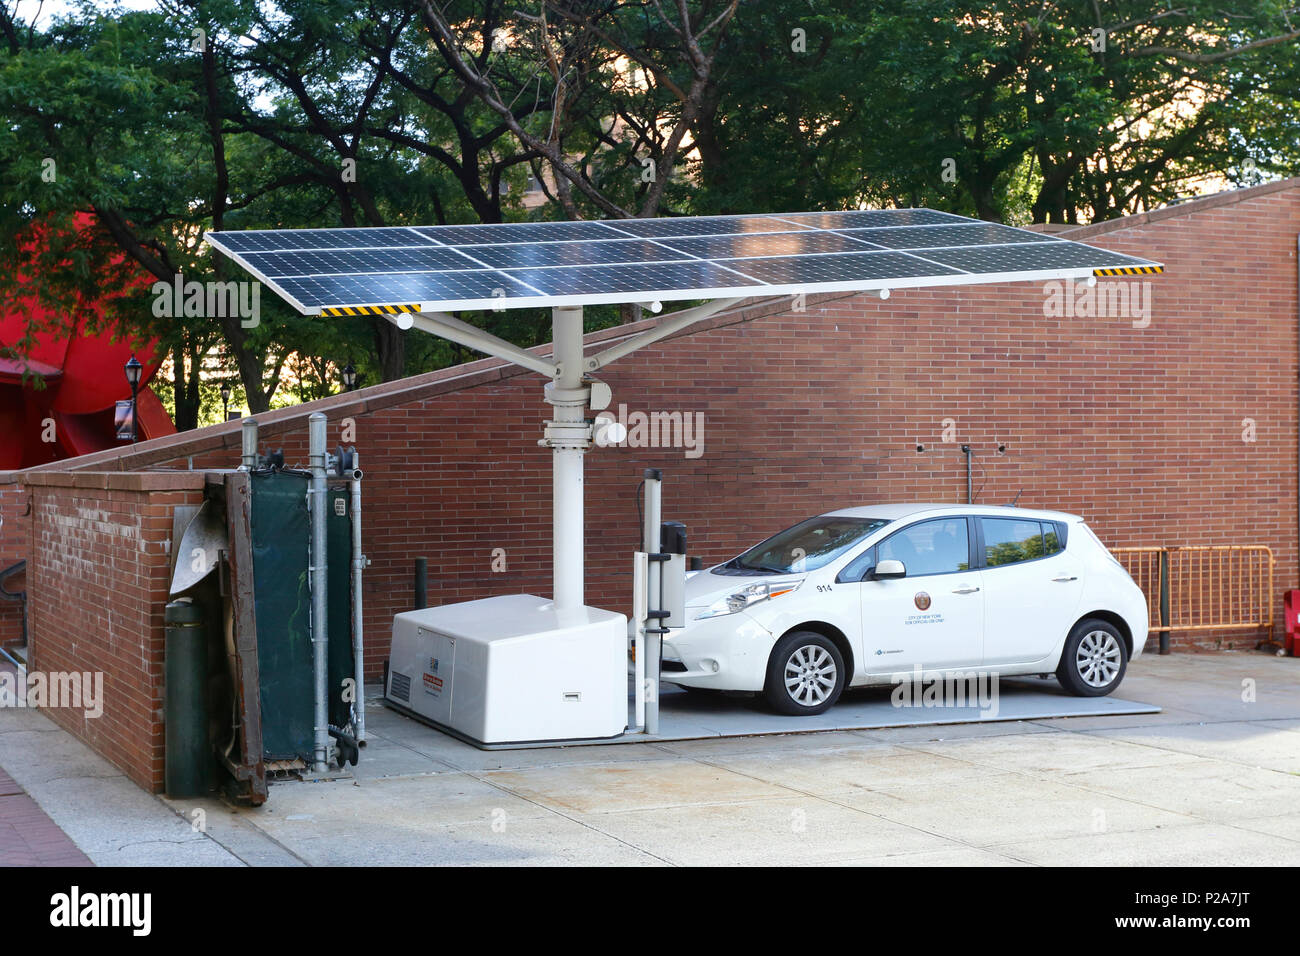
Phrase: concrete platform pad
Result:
[685,715]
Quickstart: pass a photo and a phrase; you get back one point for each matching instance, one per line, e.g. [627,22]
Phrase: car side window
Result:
[854,570]
[937,546]
[1052,538]
[1013,540]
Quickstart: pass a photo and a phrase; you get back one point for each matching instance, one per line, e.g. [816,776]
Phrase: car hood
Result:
[705,587]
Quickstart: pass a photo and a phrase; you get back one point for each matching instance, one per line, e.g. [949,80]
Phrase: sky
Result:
[42,10]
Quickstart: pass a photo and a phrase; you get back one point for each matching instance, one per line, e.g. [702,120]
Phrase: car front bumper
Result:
[722,653]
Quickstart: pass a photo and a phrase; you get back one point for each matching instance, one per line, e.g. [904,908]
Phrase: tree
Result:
[1011,111]
[200,115]
[643,116]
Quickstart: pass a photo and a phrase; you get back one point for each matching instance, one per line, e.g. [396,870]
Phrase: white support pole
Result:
[569,437]
[669,325]
[639,608]
[655,572]
[462,333]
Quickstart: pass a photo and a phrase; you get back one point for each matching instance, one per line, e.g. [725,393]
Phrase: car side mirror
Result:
[889,569]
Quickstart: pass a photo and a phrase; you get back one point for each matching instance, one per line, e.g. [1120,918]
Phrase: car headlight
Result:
[747,597]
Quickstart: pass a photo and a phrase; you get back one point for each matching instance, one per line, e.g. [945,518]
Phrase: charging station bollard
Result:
[188,754]
[654,574]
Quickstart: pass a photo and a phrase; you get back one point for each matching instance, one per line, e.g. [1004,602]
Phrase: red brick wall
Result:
[1138,429]
[97,588]
[13,547]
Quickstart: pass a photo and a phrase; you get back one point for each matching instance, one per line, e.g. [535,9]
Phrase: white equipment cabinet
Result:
[512,669]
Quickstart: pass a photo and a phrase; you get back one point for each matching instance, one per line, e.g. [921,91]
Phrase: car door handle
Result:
[1064,578]
[969,589]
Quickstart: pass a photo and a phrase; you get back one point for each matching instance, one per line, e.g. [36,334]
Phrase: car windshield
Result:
[807,546]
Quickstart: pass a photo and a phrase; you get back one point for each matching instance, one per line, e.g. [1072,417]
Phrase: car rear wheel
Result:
[1094,659]
[805,674]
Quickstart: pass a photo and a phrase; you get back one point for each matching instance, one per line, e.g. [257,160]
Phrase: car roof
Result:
[895,511]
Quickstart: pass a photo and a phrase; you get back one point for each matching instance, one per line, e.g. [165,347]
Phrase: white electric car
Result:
[868,595]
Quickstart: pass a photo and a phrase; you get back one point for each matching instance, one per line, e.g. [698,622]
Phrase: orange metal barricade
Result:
[1204,587]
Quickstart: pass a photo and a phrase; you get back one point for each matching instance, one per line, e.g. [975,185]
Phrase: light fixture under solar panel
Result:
[440,269]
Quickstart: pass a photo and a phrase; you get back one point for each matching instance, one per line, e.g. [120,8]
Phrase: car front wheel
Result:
[805,674]
[1094,659]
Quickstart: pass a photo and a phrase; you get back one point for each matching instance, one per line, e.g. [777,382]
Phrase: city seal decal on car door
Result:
[922,602]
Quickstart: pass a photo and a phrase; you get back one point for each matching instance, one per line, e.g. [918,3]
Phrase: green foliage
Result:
[1012,97]
[349,112]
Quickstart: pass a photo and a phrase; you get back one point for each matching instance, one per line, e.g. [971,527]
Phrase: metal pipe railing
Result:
[316,424]
[358,640]
[248,444]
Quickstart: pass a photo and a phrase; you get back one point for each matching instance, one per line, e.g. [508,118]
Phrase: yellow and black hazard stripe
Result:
[1129,271]
[336,311]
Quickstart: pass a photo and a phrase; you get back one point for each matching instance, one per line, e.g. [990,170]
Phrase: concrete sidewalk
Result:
[1213,779]
[106,818]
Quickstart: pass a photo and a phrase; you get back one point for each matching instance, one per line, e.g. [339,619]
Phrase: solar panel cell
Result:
[705,226]
[357,261]
[848,267]
[1030,257]
[860,218]
[284,240]
[524,255]
[483,285]
[804,243]
[927,237]
[646,279]
[518,232]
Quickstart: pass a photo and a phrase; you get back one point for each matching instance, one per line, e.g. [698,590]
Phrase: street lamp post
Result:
[349,376]
[225,401]
[133,368]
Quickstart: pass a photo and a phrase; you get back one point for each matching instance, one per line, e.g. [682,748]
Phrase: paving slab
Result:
[829,773]
[535,841]
[1200,844]
[964,856]
[795,831]
[1208,790]
[989,810]
[613,787]
[1249,743]
[1061,752]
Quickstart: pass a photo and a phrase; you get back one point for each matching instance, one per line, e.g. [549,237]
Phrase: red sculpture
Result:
[73,414]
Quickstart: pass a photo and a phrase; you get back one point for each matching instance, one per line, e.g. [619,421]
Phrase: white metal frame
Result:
[567,434]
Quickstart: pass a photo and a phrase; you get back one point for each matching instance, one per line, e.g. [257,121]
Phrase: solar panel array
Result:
[516,265]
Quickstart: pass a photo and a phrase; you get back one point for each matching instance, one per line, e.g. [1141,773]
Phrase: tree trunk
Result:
[186,409]
[712,171]
[390,346]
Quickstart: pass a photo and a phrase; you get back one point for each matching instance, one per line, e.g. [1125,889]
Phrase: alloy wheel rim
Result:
[810,675]
[1098,658]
